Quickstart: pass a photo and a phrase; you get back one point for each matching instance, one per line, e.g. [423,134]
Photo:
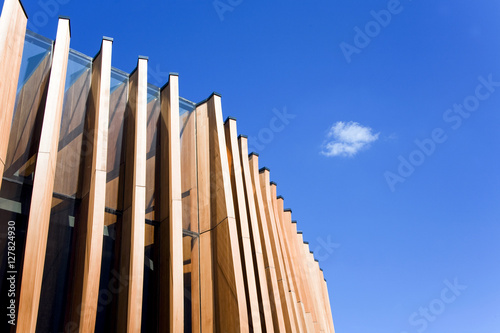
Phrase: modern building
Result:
[127,208]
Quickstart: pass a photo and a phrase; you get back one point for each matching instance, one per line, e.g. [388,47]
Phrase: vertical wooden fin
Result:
[138,106]
[303,267]
[134,207]
[242,223]
[328,308]
[100,95]
[281,221]
[172,284]
[230,307]
[291,229]
[274,290]
[12,30]
[206,246]
[43,185]
[281,274]
[319,292]
[259,261]
[309,264]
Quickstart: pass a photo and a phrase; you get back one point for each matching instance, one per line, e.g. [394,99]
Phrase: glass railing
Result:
[78,64]
[36,49]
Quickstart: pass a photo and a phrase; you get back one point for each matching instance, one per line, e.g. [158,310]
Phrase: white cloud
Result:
[346,139]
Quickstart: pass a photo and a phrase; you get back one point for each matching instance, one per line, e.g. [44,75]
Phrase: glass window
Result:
[64,256]
[113,280]
[17,183]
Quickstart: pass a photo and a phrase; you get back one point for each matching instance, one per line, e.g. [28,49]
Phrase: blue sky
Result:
[403,222]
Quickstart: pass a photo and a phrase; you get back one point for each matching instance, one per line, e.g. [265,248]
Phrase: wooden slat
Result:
[327,304]
[39,216]
[287,255]
[318,308]
[303,268]
[292,232]
[274,289]
[136,271]
[171,311]
[281,273]
[242,223]
[230,306]
[100,90]
[206,283]
[203,156]
[310,278]
[259,266]
[12,30]
[278,213]
[318,283]
[307,271]
[206,256]
[195,287]
[289,239]
[189,190]
[133,231]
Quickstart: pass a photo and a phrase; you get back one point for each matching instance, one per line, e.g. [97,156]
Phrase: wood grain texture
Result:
[230,308]
[172,280]
[207,279]
[287,255]
[309,259]
[133,229]
[328,308]
[207,283]
[100,90]
[318,308]
[189,179]
[138,208]
[12,30]
[41,200]
[203,167]
[242,223]
[290,231]
[303,271]
[195,286]
[318,283]
[258,255]
[278,255]
[274,289]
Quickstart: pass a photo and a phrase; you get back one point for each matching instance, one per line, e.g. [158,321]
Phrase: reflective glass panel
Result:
[114,280]
[64,256]
[17,182]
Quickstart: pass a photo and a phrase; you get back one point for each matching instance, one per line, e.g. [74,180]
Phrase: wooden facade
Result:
[136,210]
